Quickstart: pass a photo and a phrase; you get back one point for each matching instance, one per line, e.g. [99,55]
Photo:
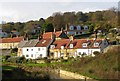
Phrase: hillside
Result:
[103,66]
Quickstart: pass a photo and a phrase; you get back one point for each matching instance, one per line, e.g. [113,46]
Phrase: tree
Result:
[58,20]
[41,21]
[81,17]
[69,17]
[91,28]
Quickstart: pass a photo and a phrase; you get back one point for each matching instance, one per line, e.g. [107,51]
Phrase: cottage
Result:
[34,49]
[76,47]
[59,48]
[75,30]
[9,43]
[28,49]
[88,47]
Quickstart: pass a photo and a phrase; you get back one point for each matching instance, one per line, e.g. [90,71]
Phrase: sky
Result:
[26,10]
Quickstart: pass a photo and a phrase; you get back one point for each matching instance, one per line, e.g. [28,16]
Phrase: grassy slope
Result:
[104,66]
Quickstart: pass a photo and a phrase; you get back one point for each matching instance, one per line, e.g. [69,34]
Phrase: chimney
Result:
[61,29]
[71,38]
[66,27]
[54,30]
[27,38]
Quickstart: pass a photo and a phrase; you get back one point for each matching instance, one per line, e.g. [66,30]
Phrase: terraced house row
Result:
[54,45]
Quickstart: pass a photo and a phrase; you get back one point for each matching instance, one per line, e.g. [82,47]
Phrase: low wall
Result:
[70,75]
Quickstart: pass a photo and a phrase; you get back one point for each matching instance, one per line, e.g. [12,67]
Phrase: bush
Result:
[6,57]
[91,71]
[17,60]
[13,59]
[47,61]
[96,53]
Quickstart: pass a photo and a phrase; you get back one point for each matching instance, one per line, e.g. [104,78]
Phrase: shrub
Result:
[6,57]
[91,71]
[14,50]
[13,59]
[47,60]
[96,53]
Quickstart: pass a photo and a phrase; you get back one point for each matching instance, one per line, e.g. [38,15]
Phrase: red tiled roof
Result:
[63,42]
[47,35]
[43,43]
[78,43]
[11,40]
[58,33]
[98,41]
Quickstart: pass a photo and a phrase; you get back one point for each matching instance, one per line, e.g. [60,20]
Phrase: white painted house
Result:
[88,47]
[36,48]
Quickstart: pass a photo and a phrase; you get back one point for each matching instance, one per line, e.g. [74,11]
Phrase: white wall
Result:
[87,51]
[36,53]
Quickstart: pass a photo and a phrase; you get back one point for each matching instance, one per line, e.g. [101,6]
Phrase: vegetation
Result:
[12,72]
[102,66]
[106,19]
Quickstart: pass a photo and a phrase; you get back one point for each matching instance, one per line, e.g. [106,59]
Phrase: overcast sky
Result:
[21,10]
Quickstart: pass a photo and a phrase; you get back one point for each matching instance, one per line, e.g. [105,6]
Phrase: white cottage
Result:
[88,47]
[39,49]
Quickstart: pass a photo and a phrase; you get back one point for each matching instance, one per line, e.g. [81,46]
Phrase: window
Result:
[31,55]
[27,49]
[71,27]
[79,53]
[96,44]
[27,55]
[31,49]
[105,43]
[42,48]
[84,44]
[71,45]
[78,27]
[38,49]
[40,55]
[62,47]
[52,46]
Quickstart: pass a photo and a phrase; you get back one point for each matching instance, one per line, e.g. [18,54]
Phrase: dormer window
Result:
[52,46]
[78,27]
[71,27]
[96,44]
[84,44]
[43,41]
[85,27]
[62,47]
[71,45]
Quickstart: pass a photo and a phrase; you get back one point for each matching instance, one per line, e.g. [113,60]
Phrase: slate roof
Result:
[31,43]
[21,44]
